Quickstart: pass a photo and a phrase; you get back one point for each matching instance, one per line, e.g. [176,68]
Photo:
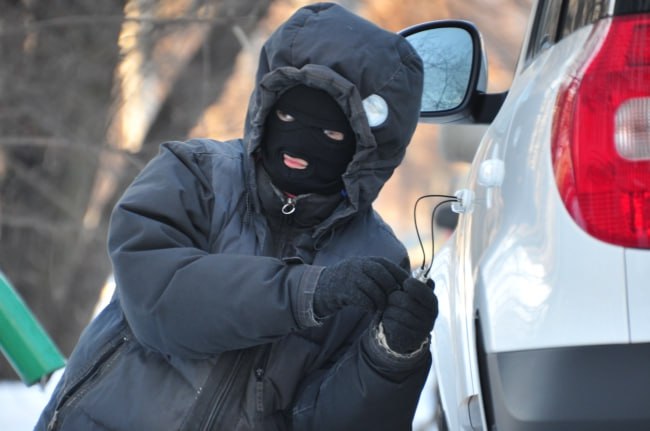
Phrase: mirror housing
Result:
[455,73]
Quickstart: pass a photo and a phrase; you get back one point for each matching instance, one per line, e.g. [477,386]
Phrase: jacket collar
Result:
[303,211]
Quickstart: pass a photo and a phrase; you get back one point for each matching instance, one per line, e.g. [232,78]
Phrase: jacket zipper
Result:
[289,206]
[260,370]
[85,382]
[220,395]
[286,224]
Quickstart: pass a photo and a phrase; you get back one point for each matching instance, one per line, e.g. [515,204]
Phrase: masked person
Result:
[256,288]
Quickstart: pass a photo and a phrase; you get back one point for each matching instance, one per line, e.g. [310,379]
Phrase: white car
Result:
[544,288]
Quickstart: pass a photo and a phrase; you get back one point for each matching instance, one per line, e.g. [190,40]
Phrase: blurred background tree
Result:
[88,90]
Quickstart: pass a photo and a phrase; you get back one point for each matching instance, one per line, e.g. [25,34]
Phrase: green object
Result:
[23,341]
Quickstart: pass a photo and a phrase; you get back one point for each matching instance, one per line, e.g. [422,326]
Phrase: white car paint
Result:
[518,259]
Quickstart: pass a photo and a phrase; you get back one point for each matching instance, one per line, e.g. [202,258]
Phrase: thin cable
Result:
[415,222]
[433,242]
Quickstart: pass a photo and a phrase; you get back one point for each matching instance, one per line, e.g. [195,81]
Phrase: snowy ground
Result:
[20,405]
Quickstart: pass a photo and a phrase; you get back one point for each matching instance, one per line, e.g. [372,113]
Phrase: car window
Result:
[545,28]
[578,13]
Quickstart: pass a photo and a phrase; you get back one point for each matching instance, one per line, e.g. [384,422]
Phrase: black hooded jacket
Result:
[212,326]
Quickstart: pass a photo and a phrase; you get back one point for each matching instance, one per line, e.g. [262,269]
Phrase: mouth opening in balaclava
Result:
[307,142]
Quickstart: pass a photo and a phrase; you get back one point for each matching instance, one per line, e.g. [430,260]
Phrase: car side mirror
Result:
[455,73]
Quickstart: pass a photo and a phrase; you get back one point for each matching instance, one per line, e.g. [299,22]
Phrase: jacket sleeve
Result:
[178,298]
[367,388]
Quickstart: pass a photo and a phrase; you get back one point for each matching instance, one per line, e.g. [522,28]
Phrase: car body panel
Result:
[637,263]
[521,282]
[535,277]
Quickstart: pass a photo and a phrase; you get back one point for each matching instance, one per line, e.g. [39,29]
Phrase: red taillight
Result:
[601,134]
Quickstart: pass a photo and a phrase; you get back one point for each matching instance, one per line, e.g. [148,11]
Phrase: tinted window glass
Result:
[623,7]
[578,13]
[545,30]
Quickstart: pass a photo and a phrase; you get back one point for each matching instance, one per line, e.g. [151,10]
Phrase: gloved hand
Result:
[409,315]
[359,281]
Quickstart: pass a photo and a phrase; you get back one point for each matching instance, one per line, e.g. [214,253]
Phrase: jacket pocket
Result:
[219,397]
[216,404]
[81,383]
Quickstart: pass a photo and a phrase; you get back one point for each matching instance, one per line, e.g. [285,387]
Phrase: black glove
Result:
[409,316]
[359,281]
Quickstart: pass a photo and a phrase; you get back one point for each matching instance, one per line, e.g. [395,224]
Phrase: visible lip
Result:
[294,162]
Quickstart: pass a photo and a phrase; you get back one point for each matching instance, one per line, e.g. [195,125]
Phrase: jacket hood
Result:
[373,74]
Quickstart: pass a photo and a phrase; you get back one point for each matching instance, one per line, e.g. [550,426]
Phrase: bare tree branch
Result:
[117,20]
[60,143]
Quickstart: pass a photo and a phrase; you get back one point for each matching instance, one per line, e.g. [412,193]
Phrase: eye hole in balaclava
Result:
[307,142]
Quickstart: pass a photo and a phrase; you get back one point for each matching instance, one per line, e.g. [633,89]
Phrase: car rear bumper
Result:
[569,388]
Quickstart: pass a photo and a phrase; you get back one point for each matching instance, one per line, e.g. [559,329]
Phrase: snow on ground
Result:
[20,406]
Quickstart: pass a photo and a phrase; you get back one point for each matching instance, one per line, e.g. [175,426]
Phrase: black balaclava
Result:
[312,112]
